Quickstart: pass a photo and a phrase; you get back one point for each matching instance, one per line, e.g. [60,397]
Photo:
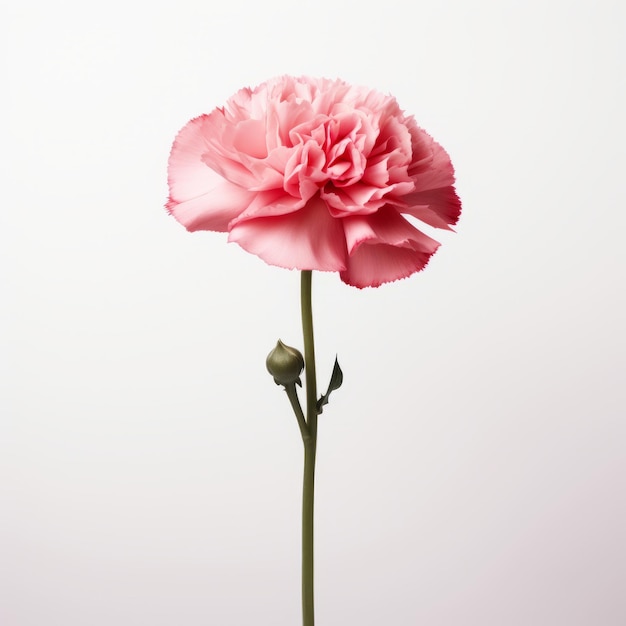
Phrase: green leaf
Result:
[336,379]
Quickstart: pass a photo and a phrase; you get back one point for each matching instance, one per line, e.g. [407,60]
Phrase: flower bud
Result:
[285,364]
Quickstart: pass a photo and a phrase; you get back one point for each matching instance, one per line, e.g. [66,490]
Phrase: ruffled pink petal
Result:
[270,204]
[213,210]
[200,198]
[384,247]
[358,198]
[376,172]
[431,167]
[440,208]
[303,171]
[236,149]
[386,226]
[188,176]
[248,137]
[306,239]
[375,264]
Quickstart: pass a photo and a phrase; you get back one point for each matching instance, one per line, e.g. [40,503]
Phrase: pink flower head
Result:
[315,174]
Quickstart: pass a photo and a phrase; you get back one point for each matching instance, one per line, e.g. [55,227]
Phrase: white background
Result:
[470,471]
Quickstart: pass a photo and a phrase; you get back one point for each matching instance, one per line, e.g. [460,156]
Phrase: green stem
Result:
[308,615]
[292,394]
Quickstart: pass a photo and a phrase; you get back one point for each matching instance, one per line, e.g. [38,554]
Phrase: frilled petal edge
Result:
[384,248]
[440,208]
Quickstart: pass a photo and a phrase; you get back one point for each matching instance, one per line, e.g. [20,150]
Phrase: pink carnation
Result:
[315,174]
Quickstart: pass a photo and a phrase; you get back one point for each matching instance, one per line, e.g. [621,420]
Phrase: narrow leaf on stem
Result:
[336,379]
